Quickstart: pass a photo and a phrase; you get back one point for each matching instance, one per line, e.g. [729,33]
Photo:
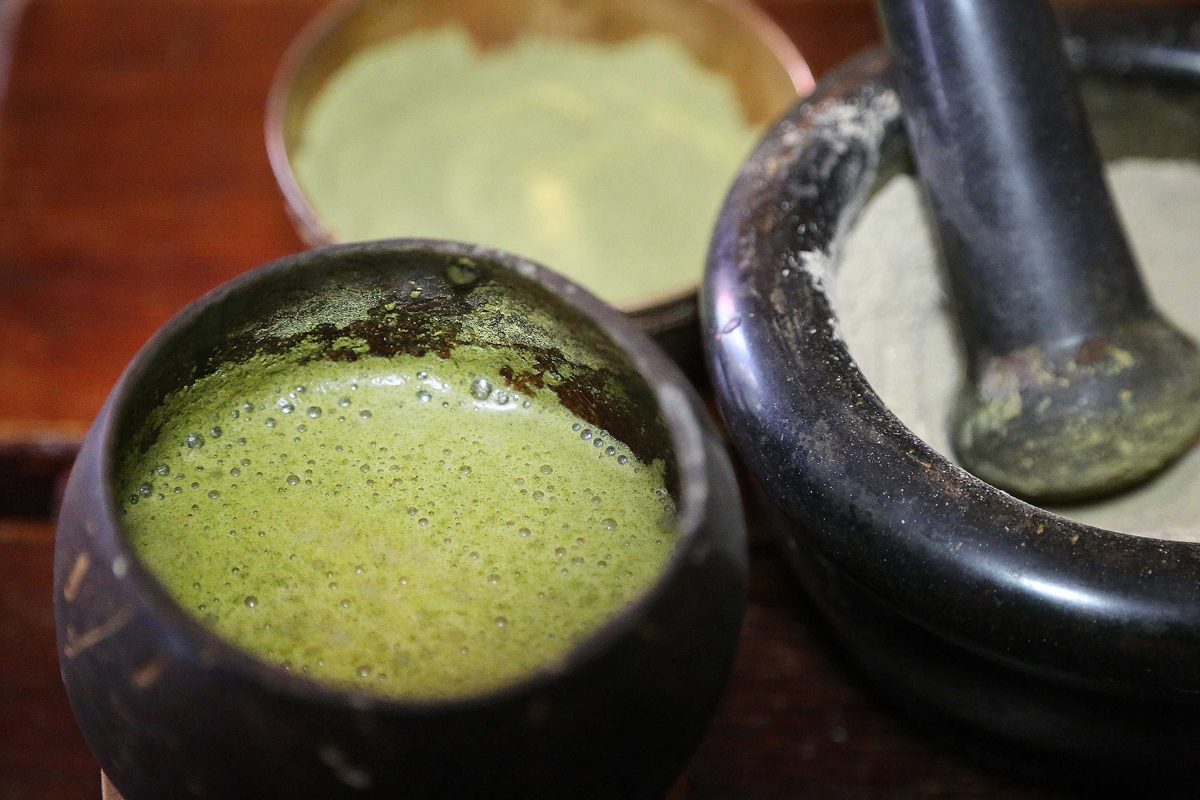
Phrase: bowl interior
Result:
[537,338]
[1136,117]
[1132,117]
[724,36]
[380,300]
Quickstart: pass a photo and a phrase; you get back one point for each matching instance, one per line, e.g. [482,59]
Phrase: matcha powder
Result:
[896,319]
[607,163]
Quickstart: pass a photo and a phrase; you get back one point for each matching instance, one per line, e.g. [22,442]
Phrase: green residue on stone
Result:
[407,526]
[605,162]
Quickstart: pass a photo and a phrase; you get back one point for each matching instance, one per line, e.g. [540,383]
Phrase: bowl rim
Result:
[687,434]
[313,229]
[961,559]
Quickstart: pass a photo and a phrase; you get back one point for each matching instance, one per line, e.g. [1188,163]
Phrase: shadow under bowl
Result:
[1068,651]
[170,709]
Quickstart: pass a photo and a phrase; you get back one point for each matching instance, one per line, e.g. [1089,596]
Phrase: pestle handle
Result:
[1076,386]
[1032,243]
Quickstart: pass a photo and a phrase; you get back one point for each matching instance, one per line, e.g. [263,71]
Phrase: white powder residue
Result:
[896,320]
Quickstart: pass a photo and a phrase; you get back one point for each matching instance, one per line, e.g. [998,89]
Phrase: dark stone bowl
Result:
[1064,648]
[171,710]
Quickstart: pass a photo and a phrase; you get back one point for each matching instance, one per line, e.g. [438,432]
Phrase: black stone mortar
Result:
[1061,649]
[171,710]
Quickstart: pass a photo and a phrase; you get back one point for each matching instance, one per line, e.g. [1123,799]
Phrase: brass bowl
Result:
[730,37]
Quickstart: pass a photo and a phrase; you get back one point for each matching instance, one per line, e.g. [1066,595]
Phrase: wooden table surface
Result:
[133,178]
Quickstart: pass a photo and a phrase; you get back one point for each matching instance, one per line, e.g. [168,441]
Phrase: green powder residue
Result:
[405,526]
[607,163]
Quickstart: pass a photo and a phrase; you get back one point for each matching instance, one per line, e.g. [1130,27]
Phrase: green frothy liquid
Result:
[404,525]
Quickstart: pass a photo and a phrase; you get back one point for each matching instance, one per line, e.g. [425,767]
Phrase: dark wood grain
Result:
[132,179]
[42,754]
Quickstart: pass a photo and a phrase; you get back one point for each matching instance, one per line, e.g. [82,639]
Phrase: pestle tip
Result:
[1082,421]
